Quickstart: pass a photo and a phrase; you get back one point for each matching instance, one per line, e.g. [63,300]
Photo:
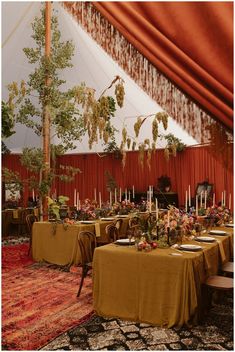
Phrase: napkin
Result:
[15,214]
[97,229]
[222,253]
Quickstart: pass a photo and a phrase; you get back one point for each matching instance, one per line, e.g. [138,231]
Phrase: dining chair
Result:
[227,269]
[87,245]
[133,226]
[20,221]
[216,284]
[118,224]
[112,232]
[30,219]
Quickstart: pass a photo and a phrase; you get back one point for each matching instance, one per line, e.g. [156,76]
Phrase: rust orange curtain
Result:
[189,42]
[190,167]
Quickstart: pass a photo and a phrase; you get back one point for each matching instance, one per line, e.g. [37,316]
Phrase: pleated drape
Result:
[192,166]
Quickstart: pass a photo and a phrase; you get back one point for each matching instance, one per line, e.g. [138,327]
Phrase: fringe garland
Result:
[179,106]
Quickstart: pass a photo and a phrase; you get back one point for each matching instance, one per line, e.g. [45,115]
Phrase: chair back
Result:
[118,225]
[30,219]
[87,245]
[112,232]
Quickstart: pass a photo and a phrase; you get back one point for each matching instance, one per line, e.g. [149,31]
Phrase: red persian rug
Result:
[38,301]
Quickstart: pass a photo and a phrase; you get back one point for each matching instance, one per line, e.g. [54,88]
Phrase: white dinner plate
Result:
[205,239]
[229,225]
[107,219]
[190,247]
[125,241]
[88,222]
[218,232]
[121,216]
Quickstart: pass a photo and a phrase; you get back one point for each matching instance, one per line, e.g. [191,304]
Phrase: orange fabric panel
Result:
[190,42]
[190,167]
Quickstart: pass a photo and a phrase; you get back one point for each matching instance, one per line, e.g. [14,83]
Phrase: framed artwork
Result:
[12,194]
[202,187]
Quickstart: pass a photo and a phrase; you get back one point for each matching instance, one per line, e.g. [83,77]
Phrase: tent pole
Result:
[46,113]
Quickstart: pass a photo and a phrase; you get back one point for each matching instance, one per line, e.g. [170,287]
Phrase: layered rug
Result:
[39,300]
[215,333]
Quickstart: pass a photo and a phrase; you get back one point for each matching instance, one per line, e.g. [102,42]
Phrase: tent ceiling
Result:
[91,65]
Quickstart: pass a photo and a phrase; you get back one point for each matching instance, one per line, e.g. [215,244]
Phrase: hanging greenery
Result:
[73,112]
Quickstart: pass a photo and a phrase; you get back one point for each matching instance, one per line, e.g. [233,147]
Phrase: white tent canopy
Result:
[91,65]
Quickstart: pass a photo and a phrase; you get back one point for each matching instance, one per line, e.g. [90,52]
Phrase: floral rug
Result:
[39,301]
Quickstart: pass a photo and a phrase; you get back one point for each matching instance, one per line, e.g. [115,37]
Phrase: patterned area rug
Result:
[214,334]
[38,301]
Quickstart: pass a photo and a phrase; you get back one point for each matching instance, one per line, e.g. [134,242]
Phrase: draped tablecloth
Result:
[57,243]
[155,287]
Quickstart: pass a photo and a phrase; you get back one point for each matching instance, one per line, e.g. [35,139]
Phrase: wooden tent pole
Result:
[46,113]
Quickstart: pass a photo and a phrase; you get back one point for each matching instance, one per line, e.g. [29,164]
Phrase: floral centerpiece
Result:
[219,215]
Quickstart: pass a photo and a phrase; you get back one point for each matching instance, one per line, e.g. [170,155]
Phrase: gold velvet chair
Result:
[87,245]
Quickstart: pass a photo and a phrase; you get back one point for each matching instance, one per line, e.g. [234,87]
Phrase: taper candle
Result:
[168,218]
[156,209]
[189,196]
[213,200]
[115,195]
[100,199]
[133,191]
[75,197]
[120,195]
[33,195]
[126,194]
[224,198]
[205,198]
[201,199]
[78,201]
[229,201]
[186,201]
[196,205]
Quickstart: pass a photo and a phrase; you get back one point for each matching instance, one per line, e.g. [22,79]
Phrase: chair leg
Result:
[30,246]
[84,274]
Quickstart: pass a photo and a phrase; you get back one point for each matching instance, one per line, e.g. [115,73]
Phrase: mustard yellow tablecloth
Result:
[56,244]
[157,287]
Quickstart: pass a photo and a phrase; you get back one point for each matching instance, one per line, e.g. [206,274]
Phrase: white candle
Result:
[75,195]
[156,209]
[115,195]
[100,199]
[110,198]
[213,200]
[129,196]
[125,194]
[133,191]
[222,201]
[229,201]
[201,199]
[79,204]
[55,193]
[224,198]
[168,218]
[150,199]
[196,205]
[33,195]
[95,194]
[78,201]
[120,195]
[189,196]
[186,201]
[205,198]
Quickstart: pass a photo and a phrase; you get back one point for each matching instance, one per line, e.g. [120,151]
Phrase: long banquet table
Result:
[157,287]
[57,243]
